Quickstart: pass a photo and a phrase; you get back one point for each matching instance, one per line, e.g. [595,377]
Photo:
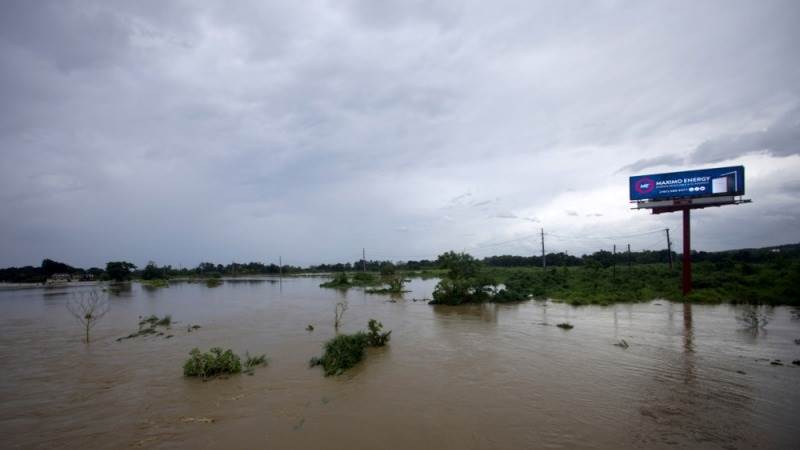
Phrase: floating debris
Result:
[310,327]
[777,362]
[565,326]
[197,419]
[622,344]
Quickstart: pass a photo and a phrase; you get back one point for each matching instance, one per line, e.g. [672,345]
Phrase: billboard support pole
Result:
[687,252]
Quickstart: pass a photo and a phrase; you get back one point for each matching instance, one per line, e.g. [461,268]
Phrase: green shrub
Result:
[214,362]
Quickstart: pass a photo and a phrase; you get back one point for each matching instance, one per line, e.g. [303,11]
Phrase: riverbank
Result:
[770,284]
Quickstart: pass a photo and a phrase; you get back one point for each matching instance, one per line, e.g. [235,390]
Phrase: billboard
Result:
[721,181]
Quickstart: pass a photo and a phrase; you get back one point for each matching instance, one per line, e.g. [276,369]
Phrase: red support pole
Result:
[687,253]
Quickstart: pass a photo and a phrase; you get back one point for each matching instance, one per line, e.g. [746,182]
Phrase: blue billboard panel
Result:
[721,181]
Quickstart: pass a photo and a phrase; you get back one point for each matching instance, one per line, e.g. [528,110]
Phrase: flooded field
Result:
[482,376]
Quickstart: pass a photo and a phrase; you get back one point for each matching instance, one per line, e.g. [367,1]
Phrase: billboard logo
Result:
[645,185]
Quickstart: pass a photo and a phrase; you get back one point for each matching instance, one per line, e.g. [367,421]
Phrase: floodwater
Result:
[470,377]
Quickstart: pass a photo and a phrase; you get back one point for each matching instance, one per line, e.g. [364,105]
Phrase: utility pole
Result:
[544,258]
[669,249]
[614,261]
[629,257]
[280,266]
[364,259]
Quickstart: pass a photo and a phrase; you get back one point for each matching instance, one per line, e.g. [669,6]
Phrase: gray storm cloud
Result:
[188,131]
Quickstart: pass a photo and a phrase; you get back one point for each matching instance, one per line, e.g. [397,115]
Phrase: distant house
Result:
[59,277]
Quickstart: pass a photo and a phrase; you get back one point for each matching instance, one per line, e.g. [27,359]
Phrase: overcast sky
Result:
[183,132]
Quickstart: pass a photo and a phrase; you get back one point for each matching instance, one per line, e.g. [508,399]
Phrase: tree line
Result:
[123,270]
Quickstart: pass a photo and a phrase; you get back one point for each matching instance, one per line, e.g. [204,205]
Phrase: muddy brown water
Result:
[469,377]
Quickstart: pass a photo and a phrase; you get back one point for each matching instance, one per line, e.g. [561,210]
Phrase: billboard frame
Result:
[686,204]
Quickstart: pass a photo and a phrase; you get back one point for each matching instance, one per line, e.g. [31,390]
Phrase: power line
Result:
[621,236]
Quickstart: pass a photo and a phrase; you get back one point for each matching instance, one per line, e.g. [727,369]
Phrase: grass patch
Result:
[148,326]
[347,350]
[360,279]
[155,283]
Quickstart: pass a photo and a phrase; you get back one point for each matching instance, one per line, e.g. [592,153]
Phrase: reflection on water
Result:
[474,376]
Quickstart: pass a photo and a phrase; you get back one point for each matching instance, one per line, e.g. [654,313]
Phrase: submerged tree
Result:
[341,307]
[88,308]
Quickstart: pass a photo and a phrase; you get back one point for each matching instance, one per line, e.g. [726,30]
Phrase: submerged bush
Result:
[395,286]
[339,280]
[343,352]
[214,362]
[346,350]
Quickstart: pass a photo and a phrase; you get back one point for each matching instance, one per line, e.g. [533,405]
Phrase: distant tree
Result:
[119,270]
[459,265]
[49,267]
[153,272]
[387,269]
[88,308]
